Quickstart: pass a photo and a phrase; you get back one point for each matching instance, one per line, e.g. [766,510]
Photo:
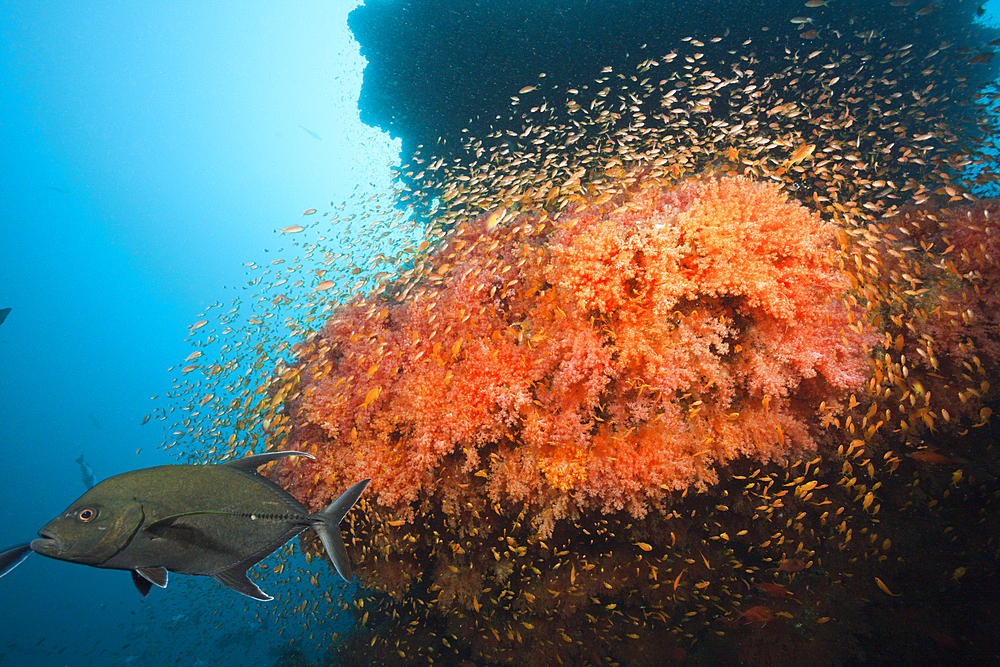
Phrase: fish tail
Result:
[328,528]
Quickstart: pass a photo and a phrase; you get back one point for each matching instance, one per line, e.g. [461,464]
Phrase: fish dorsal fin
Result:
[155,575]
[142,585]
[236,578]
[249,464]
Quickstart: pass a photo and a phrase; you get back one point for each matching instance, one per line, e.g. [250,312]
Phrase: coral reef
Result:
[600,359]
[928,278]
[610,407]
[537,395]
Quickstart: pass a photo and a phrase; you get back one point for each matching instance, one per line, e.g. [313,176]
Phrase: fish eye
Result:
[87,514]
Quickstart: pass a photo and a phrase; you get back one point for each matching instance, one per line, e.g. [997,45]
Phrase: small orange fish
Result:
[308,211]
[293,229]
[801,153]
[885,589]
[930,456]
[371,396]
[496,217]
[789,565]
[776,590]
[756,614]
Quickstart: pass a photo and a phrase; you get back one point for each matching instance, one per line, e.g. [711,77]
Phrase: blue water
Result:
[150,151]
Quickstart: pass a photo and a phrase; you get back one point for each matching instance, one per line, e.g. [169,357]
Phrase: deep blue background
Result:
[148,151]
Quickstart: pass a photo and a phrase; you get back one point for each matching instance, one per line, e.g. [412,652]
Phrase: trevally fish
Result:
[214,520]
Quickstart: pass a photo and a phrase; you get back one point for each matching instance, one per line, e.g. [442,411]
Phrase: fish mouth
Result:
[49,545]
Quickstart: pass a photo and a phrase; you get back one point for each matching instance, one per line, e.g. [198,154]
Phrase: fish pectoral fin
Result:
[249,464]
[142,584]
[236,578]
[155,575]
[160,524]
[13,557]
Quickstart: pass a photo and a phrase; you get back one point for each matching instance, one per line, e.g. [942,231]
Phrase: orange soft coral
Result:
[597,360]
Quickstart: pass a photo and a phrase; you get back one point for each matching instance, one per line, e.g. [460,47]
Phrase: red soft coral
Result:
[596,360]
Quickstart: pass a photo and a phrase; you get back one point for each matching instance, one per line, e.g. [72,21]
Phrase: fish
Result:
[4,312]
[758,613]
[800,154]
[12,557]
[215,520]
[777,590]
[87,472]
[930,456]
[312,134]
[789,565]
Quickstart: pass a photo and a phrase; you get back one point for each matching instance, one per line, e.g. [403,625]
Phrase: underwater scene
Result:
[507,333]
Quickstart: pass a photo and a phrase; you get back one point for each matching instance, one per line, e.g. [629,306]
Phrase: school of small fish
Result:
[861,133]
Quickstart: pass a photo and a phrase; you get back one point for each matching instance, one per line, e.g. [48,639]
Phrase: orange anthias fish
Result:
[776,590]
[790,565]
[756,614]
[930,456]
[800,153]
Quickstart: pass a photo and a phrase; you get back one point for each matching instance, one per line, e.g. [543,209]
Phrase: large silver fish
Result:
[213,520]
